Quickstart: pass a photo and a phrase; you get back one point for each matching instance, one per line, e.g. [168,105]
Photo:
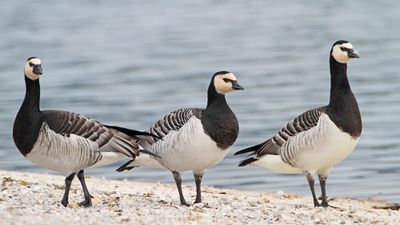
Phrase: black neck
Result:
[343,108]
[28,121]
[32,95]
[214,98]
[218,120]
[340,87]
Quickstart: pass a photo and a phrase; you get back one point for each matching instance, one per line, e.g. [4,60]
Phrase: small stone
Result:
[280,193]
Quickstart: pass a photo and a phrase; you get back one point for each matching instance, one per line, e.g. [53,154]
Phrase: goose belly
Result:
[60,153]
[147,161]
[329,147]
[276,164]
[108,158]
[189,148]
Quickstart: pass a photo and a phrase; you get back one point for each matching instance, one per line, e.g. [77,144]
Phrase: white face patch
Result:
[221,86]
[28,70]
[340,55]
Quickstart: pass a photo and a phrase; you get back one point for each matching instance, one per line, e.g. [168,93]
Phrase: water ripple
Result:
[129,63]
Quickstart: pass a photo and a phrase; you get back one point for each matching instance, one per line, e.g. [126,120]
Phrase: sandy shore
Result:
[28,198]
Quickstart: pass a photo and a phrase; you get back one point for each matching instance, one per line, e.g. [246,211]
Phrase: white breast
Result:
[188,149]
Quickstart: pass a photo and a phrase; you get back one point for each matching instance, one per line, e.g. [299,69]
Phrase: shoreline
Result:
[30,198]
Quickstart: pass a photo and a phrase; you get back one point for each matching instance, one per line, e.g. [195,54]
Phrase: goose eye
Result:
[31,64]
[343,49]
[226,80]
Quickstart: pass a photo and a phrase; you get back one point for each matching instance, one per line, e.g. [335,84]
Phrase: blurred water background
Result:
[128,63]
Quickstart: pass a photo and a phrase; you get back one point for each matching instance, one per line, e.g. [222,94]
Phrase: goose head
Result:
[342,51]
[33,68]
[225,82]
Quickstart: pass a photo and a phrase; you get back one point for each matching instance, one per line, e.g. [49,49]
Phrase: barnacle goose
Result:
[319,138]
[194,139]
[66,141]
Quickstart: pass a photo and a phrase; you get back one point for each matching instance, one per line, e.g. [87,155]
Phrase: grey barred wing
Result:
[107,139]
[302,123]
[173,121]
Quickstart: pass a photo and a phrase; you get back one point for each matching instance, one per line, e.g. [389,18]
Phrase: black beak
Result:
[236,85]
[352,54]
[37,69]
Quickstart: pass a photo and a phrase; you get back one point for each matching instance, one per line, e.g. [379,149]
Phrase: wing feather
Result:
[107,139]
[273,146]
[173,121]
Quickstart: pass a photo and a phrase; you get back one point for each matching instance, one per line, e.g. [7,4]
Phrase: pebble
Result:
[28,198]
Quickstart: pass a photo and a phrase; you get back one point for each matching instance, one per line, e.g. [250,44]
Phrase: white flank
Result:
[147,161]
[56,152]
[188,149]
[108,158]
[316,150]
[328,145]
[275,163]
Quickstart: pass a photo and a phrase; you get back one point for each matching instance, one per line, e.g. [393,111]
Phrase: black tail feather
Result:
[251,149]
[126,166]
[247,161]
[133,132]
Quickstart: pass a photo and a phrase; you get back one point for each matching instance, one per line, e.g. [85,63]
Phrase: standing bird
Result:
[319,138]
[194,139]
[66,141]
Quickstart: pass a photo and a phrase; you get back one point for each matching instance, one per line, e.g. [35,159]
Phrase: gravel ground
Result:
[27,198]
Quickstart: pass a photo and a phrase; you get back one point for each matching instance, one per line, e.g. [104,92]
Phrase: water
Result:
[129,63]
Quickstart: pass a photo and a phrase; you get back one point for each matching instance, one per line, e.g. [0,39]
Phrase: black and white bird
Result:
[66,141]
[194,139]
[319,138]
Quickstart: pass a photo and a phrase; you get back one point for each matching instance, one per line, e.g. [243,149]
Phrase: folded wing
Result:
[107,139]
[283,142]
